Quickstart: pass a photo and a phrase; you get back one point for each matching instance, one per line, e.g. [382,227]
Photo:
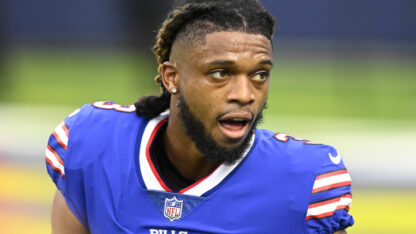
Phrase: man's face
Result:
[224,84]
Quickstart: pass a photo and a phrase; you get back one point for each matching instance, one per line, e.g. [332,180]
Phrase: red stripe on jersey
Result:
[149,160]
[53,167]
[65,128]
[343,207]
[333,173]
[59,140]
[327,214]
[56,155]
[347,195]
[197,182]
[324,202]
[336,199]
[331,186]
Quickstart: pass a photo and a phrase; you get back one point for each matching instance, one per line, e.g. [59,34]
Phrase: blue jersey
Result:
[99,159]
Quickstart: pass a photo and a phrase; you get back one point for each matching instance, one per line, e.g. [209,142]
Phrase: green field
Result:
[347,87]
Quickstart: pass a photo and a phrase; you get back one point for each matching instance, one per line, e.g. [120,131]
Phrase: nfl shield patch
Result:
[173,208]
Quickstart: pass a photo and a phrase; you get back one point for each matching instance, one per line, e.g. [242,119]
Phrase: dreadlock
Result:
[189,22]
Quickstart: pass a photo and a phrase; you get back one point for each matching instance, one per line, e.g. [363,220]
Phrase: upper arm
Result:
[71,216]
[340,232]
[63,220]
[331,196]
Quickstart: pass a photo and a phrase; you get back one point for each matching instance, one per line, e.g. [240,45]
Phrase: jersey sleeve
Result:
[331,196]
[57,158]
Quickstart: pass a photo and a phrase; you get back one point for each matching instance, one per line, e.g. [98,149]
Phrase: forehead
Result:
[228,45]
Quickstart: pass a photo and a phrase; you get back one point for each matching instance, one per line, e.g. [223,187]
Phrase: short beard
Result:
[204,141]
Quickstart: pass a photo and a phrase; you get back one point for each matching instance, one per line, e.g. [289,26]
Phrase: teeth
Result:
[238,119]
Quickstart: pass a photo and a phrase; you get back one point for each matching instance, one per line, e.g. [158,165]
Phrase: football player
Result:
[202,166]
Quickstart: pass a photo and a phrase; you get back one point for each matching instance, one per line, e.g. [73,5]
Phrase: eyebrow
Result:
[266,62]
[228,62]
[222,62]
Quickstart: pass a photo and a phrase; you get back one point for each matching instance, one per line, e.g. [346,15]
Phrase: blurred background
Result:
[345,75]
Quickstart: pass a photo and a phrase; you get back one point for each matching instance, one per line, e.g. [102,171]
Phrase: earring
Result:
[174,90]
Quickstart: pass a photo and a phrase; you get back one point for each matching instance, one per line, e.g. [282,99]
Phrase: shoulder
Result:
[320,171]
[89,129]
[102,116]
[102,132]
[97,124]
[298,151]
[104,111]
[294,159]
[301,158]
[101,111]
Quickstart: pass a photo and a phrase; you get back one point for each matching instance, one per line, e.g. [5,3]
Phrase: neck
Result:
[183,153]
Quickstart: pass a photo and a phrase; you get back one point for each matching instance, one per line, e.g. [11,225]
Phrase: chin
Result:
[232,142]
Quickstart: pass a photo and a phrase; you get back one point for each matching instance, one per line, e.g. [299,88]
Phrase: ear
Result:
[170,78]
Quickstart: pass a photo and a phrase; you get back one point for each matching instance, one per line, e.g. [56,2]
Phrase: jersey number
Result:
[114,106]
[283,137]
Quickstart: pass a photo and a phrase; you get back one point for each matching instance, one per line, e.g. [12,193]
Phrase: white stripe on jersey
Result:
[54,161]
[327,208]
[61,133]
[147,174]
[74,113]
[218,175]
[332,180]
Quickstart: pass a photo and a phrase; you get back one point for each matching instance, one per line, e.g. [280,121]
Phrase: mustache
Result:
[222,114]
[254,117]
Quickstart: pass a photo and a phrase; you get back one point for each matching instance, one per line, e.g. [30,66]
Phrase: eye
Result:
[220,74]
[261,76]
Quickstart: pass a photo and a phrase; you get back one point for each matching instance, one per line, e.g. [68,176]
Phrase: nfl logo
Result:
[173,208]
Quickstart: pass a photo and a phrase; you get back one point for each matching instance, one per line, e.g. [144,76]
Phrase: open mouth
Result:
[235,125]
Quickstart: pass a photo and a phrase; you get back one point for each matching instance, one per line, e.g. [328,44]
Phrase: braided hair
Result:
[189,22]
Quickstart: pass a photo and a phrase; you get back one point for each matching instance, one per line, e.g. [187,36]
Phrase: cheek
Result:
[197,91]
[200,100]
[262,93]
[204,106]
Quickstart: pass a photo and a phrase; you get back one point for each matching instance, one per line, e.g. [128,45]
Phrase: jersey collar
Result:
[151,177]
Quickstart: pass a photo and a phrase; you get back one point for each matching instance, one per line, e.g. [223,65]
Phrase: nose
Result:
[241,91]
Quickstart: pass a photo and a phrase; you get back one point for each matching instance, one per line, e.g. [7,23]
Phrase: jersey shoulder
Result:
[86,131]
[300,151]
[319,168]
[102,132]
[98,126]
